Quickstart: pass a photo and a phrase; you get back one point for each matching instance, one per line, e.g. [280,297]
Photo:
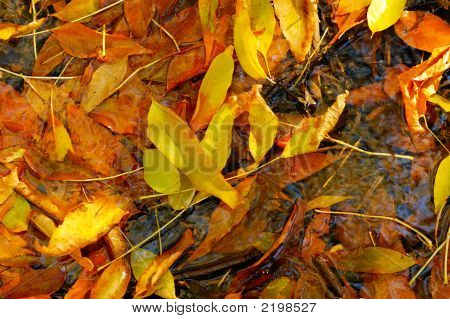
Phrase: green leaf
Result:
[217,139]
[179,144]
[140,259]
[159,173]
[312,130]
[376,260]
[246,43]
[384,13]
[213,89]
[442,184]
[17,218]
[263,126]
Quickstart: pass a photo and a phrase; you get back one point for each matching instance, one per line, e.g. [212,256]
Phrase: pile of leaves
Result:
[182,148]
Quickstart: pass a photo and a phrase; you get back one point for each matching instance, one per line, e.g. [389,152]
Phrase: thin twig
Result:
[167,33]
[421,236]
[98,179]
[438,249]
[20,75]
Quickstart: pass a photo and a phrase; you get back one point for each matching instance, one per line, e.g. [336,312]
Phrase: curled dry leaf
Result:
[178,143]
[82,42]
[214,88]
[298,20]
[85,225]
[151,279]
[384,13]
[414,28]
[376,260]
[419,83]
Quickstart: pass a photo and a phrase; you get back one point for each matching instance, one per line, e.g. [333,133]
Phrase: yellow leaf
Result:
[10,30]
[442,184]
[185,197]
[7,184]
[347,6]
[313,130]
[85,225]
[7,30]
[11,245]
[76,9]
[263,126]
[149,281]
[298,20]
[207,11]
[384,13]
[11,154]
[45,224]
[140,259]
[246,43]
[179,144]
[279,288]
[113,282]
[214,88]
[325,201]
[17,218]
[104,80]
[159,173]
[217,139]
[63,143]
[441,101]
[262,18]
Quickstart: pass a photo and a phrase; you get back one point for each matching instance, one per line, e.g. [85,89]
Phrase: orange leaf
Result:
[113,282]
[423,30]
[82,42]
[139,14]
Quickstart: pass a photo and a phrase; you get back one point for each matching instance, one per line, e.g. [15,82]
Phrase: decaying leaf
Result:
[376,260]
[214,89]
[298,19]
[384,13]
[279,288]
[85,225]
[178,143]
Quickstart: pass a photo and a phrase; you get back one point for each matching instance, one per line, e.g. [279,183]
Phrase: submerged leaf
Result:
[384,13]
[442,184]
[376,260]
[279,288]
[214,88]
[85,225]
[104,80]
[298,20]
[178,143]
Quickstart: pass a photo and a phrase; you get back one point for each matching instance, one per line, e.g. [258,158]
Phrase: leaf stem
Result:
[438,249]
[98,179]
[421,236]
[168,34]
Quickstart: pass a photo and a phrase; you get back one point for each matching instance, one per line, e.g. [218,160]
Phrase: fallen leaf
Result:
[213,89]
[77,9]
[139,14]
[11,245]
[387,287]
[85,225]
[113,282]
[348,6]
[279,288]
[298,20]
[9,30]
[441,101]
[178,143]
[376,260]
[7,184]
[325,201]
[442,184]
[159,173]
[17,218]
[414,28]
[384,13]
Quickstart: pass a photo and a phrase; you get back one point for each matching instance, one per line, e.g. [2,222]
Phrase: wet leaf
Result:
[139,14]
[312,130]
[82,42]
[442,184]
[217,139]
[384,13]
[279,288]
[159,173]
[178,143]
[376,260]
[388,287]
[45,224]
[263,126]
[414,28]
[17,218]
[245,42]
[150,280]
[214,89]
[113,282]
[298,20]
[348,6]
[326,201]
[77,9]
[85,225]
[104,80]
